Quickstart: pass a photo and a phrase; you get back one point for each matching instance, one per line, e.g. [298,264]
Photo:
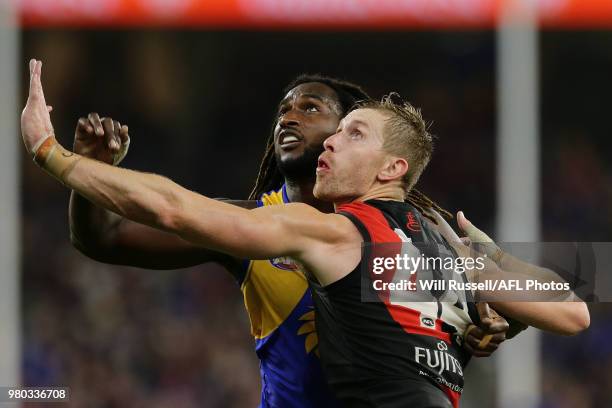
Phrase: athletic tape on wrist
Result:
[118,157]
[497,256]
[485,341]
[478,236]
[54,159]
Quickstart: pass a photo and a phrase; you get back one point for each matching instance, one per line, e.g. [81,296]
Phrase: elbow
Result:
[91,251]
[583,318]
[76,243]
[87,248]
[579,320]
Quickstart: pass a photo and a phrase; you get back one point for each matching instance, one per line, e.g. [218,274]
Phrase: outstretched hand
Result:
[36,124]
[479,240]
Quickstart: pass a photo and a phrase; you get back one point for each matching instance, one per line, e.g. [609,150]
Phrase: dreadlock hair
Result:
[269,177]
[349,95]
[425,204]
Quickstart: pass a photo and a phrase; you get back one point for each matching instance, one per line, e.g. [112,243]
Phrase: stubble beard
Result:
[300,169]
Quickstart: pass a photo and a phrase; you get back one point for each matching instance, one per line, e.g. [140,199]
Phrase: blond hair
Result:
[405,134]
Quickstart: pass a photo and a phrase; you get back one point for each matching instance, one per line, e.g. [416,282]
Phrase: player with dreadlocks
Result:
[270,176]
[275,291]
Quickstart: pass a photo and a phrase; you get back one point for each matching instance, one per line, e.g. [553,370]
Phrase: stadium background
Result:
[199,104]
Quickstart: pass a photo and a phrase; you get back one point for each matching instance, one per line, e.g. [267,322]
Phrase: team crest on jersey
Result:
[285,263]
[412,224]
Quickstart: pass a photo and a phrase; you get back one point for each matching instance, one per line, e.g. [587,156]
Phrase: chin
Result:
[325,193]
[291,155]
[320,192]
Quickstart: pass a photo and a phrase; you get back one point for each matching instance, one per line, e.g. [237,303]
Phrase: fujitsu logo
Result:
[412,224]
[438,360]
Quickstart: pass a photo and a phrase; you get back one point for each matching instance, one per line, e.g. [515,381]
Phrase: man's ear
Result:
[395,168]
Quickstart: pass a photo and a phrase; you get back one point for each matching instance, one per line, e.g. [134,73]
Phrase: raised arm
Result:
[295,230]
[107,237]
[158,202]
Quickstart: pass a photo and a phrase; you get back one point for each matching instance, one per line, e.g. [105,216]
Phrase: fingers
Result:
[463,222]
[474,338]
[124,135]
[117,133]
[109,135]
[36,97]
[491,326]
[444,228]
[477,352]
[477,334]
[32,93]
[84,126]
[96,122]
[38,83]
[36,94]
[466,241]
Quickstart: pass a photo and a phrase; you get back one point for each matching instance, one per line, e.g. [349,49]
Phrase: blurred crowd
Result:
[199,106]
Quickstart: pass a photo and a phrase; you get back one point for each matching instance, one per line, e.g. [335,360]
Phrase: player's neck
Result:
[385,192]
[301,192]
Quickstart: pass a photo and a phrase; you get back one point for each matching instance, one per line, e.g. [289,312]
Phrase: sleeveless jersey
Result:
[390,353]
[281,312]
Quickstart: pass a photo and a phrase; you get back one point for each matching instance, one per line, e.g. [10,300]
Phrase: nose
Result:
[289,119]
[330,143]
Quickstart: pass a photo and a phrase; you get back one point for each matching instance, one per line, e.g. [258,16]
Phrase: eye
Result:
[312,108]
[355,134]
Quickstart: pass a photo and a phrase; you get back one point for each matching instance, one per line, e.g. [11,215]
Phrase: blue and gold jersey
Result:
[281,312]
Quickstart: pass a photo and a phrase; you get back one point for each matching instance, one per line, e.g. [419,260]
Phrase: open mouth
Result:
[289,140]
[322,165]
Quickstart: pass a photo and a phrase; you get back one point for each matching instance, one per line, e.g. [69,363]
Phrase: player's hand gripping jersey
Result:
[392,352]
[281,311]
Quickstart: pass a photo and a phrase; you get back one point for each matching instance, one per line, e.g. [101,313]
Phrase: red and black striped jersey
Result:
[379,349]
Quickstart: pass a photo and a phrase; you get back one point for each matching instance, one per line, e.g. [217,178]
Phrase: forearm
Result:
[158,202]
[150,199]
[141,197]
[512,264]
[92,228]
[564,313]
[565,318]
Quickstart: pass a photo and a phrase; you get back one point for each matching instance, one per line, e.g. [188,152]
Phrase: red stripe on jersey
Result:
[374,221]
[380,232]
[453,396]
